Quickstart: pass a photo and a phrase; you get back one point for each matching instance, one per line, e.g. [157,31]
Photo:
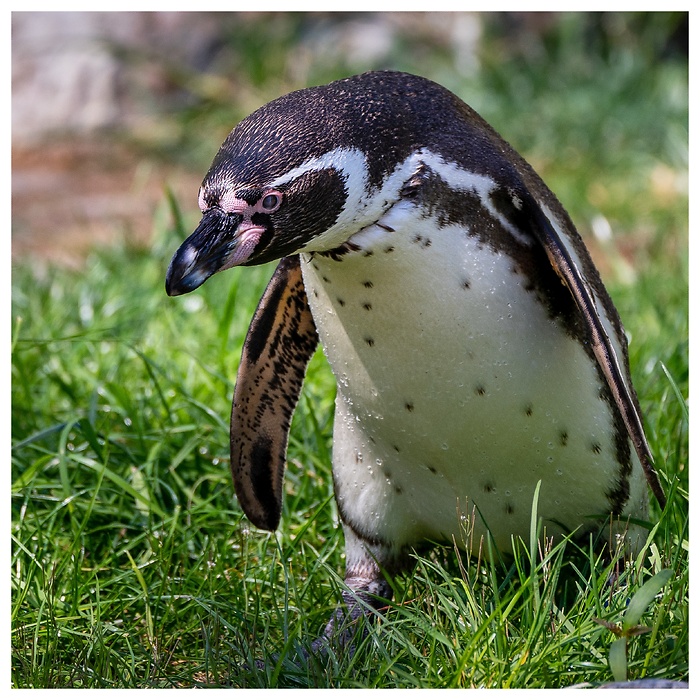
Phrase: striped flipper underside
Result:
[280,342]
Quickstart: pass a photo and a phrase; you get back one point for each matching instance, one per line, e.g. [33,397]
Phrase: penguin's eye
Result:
[271,202]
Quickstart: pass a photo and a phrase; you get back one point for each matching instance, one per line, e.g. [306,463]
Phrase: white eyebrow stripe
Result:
[351,162]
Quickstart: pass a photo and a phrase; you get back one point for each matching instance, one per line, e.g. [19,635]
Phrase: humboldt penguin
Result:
[479,359]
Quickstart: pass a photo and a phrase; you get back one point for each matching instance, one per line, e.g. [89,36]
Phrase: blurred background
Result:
[110,108]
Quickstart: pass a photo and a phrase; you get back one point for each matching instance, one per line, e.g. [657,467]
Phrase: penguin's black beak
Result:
[212,247]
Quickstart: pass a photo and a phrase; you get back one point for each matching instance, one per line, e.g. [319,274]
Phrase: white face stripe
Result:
[349,161]
[351,164]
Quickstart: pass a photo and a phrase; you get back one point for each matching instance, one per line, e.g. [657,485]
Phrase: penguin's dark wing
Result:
[550,233]
[280,342]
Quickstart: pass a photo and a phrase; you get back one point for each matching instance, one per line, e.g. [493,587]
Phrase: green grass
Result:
[133,566]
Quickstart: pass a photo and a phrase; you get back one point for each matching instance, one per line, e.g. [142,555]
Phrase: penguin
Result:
[480,363]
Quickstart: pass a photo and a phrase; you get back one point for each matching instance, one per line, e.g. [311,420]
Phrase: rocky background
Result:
[98,100]
[112,109]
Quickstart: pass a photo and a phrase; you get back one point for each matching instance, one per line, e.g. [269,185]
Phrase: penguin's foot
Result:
[347,625]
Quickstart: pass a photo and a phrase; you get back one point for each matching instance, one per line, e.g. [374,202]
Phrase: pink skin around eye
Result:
[248,233]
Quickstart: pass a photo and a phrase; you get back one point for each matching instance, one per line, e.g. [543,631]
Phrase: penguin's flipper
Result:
[564,264]
[280,342]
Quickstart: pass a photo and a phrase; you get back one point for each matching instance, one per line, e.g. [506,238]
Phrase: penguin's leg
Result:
[366,590]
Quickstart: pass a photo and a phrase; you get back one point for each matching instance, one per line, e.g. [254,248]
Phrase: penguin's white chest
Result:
[457,391]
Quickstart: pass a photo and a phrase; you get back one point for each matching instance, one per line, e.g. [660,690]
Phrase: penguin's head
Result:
[268,195]
[307,171]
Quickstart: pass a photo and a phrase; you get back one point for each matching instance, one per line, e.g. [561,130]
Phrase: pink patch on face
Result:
[247,240]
